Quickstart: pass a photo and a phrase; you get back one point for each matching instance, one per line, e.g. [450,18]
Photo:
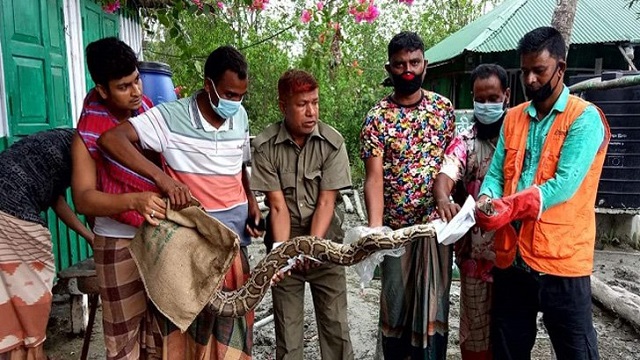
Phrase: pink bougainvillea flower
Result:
[372,13]
[306,16]
[408,2]
[259,4]
[364,10]
[320,5]
[220,5]
[112,7]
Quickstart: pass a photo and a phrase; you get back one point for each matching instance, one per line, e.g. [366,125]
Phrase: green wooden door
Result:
[35,65]
[96,24]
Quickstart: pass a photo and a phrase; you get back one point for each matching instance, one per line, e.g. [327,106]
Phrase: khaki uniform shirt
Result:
[279,164]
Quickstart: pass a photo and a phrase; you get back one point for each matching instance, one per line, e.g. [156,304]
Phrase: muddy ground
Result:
[617,340]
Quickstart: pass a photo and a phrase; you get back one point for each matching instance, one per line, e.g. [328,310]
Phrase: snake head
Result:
[486,207]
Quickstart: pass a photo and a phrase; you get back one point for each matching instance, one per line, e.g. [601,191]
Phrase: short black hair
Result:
[222,59]
[485,71]
[110,59]
[406,40]
[543,38]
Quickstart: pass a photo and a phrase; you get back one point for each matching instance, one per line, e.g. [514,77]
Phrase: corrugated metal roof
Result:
[596,21]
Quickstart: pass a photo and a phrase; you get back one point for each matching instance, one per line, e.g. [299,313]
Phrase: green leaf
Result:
[198,66]
[173,32]
[164,20]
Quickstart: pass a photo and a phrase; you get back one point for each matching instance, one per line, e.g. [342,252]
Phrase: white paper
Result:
[449,233]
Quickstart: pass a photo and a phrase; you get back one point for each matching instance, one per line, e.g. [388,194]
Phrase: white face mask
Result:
[226,108]
[488,113]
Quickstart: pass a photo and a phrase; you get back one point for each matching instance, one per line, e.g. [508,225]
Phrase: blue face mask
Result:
[488,113]
[226,108]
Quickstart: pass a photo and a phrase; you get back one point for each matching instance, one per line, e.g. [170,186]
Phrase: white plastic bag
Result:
[365,269]
[452,231]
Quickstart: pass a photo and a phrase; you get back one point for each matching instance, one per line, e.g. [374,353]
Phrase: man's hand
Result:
[447,209]
[306,264]
[150,205]
[178,193]
[279,276]
[90,239]
[255,219]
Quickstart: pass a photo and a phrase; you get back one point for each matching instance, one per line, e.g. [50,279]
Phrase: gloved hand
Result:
[524,205]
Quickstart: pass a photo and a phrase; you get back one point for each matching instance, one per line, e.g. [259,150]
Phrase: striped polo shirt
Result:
[207,160]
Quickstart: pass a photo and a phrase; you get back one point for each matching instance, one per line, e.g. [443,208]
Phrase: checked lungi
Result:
[131,330]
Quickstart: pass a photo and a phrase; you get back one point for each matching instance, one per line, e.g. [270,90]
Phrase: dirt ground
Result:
[617,340]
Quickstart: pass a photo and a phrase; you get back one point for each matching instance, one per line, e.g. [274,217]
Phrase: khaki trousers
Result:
[328,289]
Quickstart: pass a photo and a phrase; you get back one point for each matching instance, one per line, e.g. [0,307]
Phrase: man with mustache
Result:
[300,164]
[402,145]
[542,185]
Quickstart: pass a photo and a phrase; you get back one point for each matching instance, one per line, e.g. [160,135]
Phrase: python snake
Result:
[238,302]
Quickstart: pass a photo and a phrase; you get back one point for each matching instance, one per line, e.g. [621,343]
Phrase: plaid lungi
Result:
[27,270]
[475,309]
[130,327]
[211,337]
[414,302]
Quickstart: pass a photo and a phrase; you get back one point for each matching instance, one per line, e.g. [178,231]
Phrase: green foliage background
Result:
[348,64]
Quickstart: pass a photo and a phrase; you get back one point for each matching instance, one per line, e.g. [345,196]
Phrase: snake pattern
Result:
[238,302]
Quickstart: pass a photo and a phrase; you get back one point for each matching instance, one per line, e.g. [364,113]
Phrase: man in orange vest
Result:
[539,196]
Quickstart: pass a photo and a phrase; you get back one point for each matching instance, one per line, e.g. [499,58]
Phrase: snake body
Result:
[238,302]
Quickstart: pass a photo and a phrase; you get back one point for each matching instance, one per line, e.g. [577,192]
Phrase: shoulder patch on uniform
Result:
[266,134]
[332,135]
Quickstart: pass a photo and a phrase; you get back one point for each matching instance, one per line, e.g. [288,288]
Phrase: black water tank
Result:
[619,186]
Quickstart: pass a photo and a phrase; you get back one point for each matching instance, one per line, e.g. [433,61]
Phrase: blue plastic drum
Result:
[156,81]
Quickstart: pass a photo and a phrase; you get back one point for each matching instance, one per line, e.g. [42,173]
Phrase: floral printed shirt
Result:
[411,140]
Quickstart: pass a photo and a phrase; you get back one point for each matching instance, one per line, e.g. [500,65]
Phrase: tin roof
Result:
[596,21]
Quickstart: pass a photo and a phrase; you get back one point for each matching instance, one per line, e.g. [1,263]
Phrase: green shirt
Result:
[279,164]
[578,152]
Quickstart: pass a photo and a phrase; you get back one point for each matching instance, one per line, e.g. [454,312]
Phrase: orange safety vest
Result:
[562,241]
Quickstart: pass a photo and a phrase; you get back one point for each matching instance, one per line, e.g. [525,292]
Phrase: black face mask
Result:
[404,86]
[489,131]
[544,92]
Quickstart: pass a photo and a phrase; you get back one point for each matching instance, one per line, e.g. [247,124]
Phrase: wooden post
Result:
[79,310]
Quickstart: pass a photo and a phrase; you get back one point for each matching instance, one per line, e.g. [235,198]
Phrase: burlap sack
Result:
[183,261]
